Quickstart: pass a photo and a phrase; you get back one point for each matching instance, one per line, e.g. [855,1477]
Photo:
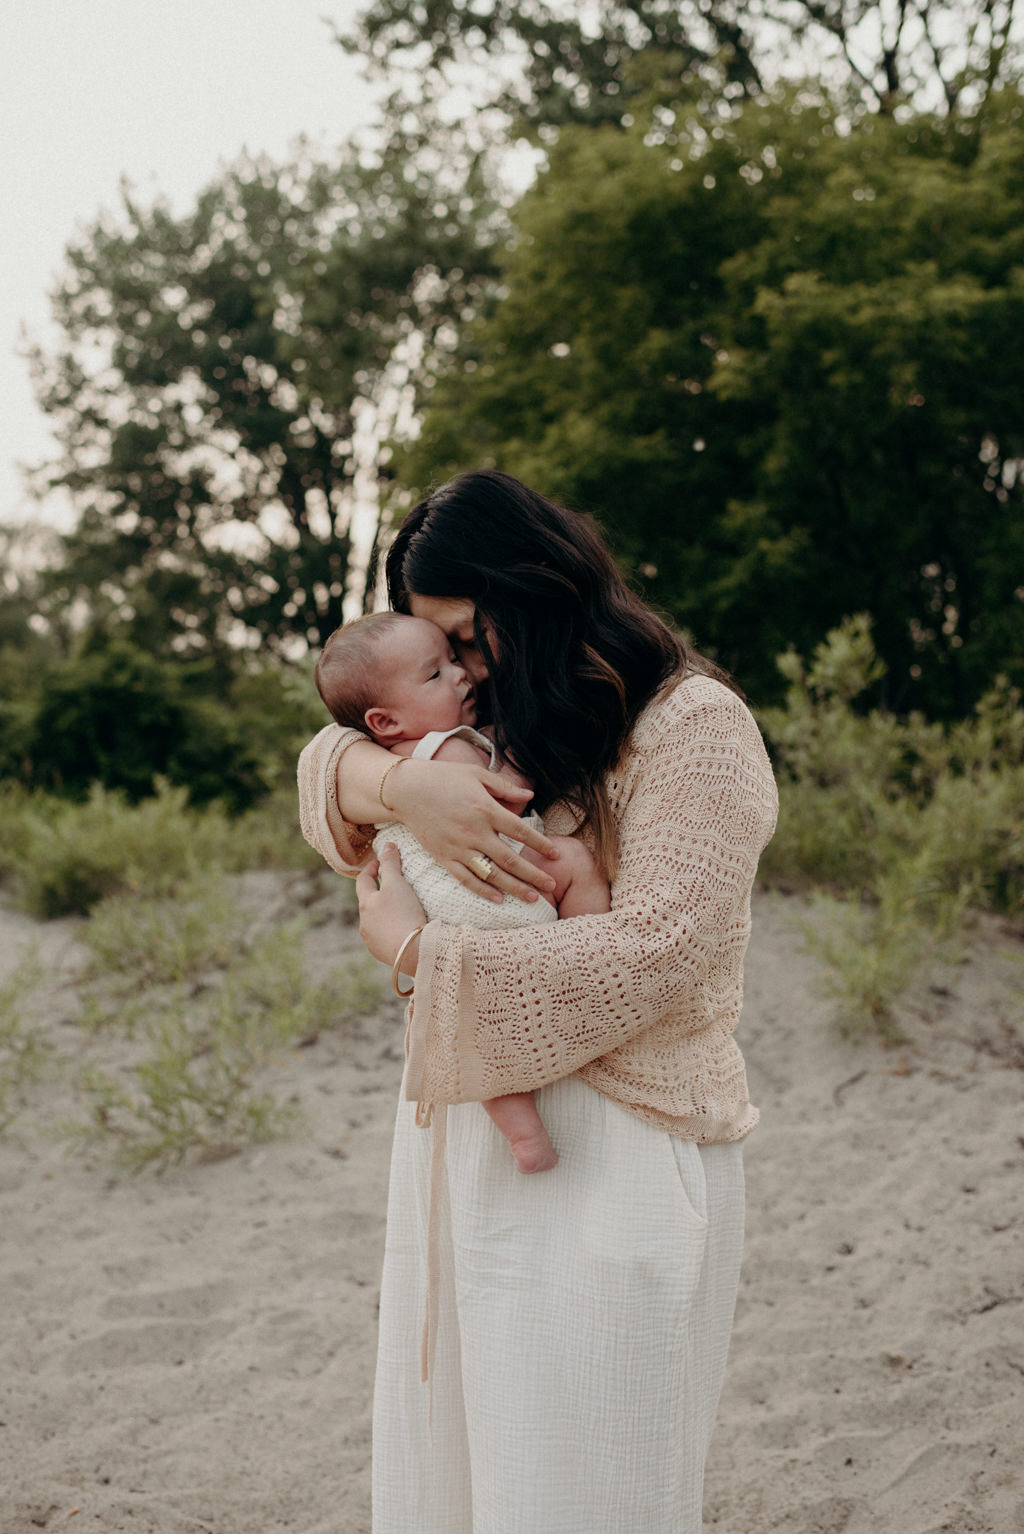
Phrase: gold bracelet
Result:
[399,956]
[383,779]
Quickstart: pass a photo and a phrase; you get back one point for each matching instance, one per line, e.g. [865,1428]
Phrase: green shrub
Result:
[115,706]
[193,1091]
[915,820]
[873,949]
[117,715]
[268,835]
[169,941]
[197,1086]
[270,982]
[63,858]
[16,806]
[860,792]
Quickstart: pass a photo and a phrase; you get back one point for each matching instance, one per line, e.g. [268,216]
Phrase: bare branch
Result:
[950,87]
[998,40]
[891,52]
[837,26]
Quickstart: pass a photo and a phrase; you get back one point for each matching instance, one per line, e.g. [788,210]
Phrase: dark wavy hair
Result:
[574,656]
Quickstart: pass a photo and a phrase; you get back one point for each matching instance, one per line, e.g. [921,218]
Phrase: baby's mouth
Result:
[478,698]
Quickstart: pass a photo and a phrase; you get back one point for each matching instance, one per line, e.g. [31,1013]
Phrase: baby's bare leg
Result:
[517,1117]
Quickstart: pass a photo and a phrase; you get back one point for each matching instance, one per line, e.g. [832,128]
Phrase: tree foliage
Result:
[777,354]
[782,361]
[554,63]
[941,55]
[111,713]
[213,374]
[590,64]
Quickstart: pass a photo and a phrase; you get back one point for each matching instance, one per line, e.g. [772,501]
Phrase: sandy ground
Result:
[194,1351]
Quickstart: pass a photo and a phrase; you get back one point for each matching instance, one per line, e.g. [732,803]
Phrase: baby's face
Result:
[422,684]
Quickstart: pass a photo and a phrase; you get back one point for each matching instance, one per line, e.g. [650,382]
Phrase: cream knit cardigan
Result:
[641,1002]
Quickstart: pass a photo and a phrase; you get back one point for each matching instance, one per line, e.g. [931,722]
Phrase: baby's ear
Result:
[382,725]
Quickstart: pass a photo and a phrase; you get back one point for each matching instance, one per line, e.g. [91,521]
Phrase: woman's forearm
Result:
[455,810]
[359,775]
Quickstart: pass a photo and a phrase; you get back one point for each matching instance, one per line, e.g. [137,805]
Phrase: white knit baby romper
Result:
[440,893]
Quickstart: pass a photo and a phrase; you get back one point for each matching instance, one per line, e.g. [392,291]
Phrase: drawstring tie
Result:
[437,1123]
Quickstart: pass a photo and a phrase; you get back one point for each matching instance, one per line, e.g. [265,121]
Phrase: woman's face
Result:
[454,617]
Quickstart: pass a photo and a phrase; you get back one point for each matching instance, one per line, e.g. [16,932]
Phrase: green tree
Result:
[228,378]
[214,373]
[119,717]
[780,360]
[29,649]
[113,714]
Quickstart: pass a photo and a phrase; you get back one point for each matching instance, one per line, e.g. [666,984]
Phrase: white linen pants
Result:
[584,1320]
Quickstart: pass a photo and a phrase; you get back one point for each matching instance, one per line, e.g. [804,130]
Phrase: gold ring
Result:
[481,866]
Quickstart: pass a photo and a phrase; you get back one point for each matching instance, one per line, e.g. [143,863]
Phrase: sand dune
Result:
[194,1351]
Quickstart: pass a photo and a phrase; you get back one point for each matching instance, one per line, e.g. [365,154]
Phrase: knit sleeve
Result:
[498,1012]
[344,846]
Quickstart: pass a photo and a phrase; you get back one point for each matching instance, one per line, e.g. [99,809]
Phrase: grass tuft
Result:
[212,1002]
[22,1056]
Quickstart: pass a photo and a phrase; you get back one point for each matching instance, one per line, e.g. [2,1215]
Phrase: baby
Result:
[396,677]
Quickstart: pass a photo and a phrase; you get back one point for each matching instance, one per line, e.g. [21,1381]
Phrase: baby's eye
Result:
[433,676]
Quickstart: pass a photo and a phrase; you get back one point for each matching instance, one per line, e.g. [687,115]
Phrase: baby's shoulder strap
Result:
[432,742]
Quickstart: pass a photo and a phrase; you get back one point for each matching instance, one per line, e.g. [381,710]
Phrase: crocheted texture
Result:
[345,847]
[439,892]
[641,1002]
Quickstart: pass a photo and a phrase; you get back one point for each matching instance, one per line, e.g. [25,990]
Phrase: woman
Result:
[580,1318]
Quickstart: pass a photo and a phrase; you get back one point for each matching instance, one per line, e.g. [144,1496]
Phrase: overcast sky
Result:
[159,91]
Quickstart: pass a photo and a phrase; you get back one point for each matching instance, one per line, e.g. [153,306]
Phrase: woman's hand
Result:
[388,910]
[457,811]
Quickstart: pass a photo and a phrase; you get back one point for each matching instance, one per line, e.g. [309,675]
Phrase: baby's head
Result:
[394,676]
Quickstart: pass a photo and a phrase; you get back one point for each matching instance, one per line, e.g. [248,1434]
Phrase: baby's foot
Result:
[534,1152]
[515,1116]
